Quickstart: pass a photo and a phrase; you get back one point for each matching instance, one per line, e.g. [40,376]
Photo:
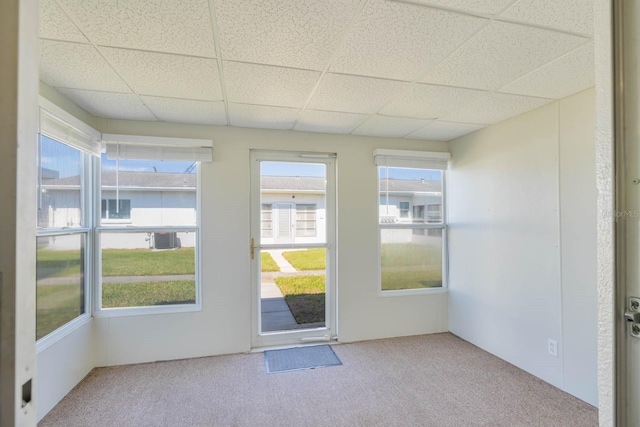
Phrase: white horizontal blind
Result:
[55,128]
[158,152]
[411,159]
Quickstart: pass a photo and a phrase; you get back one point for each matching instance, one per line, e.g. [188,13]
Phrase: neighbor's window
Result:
[305,220]
[411,238]
[266,220]
[151,259]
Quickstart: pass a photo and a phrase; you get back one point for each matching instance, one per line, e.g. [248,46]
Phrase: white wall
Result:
[522,242]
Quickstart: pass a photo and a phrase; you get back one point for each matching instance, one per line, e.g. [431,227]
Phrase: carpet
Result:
[296,359]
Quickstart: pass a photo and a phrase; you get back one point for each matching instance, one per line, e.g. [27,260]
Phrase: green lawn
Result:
[411,266]
[55,306]
[147,262]
[310,259]
[58,263]
[267,263]
[148,293]
[305,296]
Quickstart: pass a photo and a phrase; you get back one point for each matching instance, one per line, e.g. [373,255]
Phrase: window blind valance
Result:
[411,159]
[55,128]
[132,147]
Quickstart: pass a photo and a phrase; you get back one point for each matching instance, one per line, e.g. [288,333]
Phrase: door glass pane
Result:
[59,281]
[411,258]
[148,268]
[60,185]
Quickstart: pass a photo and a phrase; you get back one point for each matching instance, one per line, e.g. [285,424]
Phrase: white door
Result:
[293,268]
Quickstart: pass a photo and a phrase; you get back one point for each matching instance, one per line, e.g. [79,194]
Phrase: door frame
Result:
[293,337]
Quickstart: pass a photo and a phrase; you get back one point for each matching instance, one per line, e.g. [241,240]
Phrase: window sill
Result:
[55,336]
[411,292]
[146,311]
[115,221]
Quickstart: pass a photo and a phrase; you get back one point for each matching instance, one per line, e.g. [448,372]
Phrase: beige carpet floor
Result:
[430,380]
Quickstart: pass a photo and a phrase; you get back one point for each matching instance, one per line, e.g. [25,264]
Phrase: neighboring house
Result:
[293,209]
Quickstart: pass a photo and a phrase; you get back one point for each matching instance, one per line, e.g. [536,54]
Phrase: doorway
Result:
[292,247]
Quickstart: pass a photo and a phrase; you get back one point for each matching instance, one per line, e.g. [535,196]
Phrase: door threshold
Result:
[332,341]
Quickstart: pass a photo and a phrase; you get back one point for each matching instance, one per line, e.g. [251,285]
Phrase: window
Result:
[266,220]
[65,159]
[412,250]
[116,209]
[305,220]
[150,260]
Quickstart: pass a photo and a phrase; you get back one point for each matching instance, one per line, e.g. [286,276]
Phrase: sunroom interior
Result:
[506,88]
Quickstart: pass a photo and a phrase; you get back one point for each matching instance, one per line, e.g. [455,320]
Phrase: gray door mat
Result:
[295,359]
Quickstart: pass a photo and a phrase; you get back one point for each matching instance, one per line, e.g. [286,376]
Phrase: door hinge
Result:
[632,316]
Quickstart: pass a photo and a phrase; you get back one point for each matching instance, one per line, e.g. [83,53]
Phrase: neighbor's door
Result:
[292,247]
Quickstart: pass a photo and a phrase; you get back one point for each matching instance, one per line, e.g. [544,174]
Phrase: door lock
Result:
[632,315]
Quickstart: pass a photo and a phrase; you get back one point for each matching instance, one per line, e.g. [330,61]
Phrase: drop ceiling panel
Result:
[354,94]
[299,34]
[77,66]
[430,102]
[500,53]
[444,131]
[176,26]
[261,116]
[267,85]
[495,107]
[166,75]
[569,15]
[54,24]
[490,7]
[187,110]
[565,76]
[400,41]
[391,127]
[106,104]
[329,122]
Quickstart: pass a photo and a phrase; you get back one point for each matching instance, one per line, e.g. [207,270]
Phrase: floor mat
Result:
[295,359]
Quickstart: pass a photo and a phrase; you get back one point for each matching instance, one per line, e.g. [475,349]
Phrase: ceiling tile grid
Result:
[500,53]
[176,26]
[430,102]
[354,94]
[329,122]
[391,127]
[77,66]
[167,75]
[297,34]
[571,73]
[489,7]
[261,116]
[56,25]
[186,110]
[444,131]
[495,107]
[568,15]
[400,41]
[268,85]
[107,104]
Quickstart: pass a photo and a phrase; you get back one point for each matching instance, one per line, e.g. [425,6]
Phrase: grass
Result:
[143,294]
[56,305]
[411,279]
[147,262]
[305,296]
[310,259]
[411,266]
[267,263]
[58,263]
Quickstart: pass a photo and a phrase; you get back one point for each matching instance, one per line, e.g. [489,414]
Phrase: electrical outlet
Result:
[553,348]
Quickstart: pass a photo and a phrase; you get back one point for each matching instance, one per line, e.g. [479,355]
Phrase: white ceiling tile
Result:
[444,131]
[187,110]
[490,7]
[569,15]
[262,116]
[77,66]
[167,75]
[329,122]
[401,41]
[176,26]
[567,75]
[267,85]
[500,53]
[54,24]
[107,104]
[430,102]
[354,94]
[299,34]
[392,127]
[495,107]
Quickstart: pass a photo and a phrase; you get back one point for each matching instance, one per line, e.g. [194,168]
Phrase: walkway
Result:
[275,312]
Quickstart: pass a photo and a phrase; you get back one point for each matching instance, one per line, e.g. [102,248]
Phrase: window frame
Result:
[414,226]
